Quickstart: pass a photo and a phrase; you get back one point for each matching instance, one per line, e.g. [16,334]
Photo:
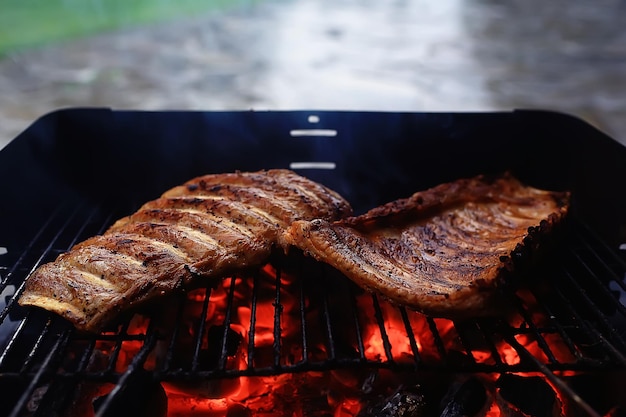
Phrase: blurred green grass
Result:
[28,23]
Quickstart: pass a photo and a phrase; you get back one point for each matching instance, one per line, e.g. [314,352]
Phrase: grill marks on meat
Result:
[206,228]
[444,251]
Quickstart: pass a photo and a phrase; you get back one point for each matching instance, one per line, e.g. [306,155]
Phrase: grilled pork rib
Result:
[443,251]
[206,228]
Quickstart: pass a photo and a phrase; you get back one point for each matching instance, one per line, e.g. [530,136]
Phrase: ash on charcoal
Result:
[402,403]
[305,395]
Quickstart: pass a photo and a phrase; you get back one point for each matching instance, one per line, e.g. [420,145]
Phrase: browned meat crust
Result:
[208,227]
[444,251]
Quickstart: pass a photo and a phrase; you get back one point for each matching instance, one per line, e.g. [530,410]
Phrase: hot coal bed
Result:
[295,337]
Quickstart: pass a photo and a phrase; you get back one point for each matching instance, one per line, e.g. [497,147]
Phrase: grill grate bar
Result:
[56,395]
[610,348]
[328,328]
[357,325]
[119,339]
[356,363]
[251,330]
[604,266]
[541,341]
[26,251]
[440,346]
[58,214]
[595,244]
[40,259]
[134,366]
[561,329]
[46,365]
[87,352]
[200,330]
[589,272]
[593,308]
[13,339]
[13,300]
[278,309]
[39,342]
[83,226]
[346,349]
[411,335]
[227,322]
[303,325]
[378,314]
[488,332]
[589,329]
[464,339]
[175,335]
[558,382]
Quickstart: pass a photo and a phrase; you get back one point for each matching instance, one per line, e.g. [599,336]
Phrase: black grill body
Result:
[75,171]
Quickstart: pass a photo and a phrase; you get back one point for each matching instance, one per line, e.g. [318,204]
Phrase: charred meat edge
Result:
[207,228]
[409,252]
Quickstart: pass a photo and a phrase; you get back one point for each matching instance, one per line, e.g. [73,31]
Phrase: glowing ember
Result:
[267,324]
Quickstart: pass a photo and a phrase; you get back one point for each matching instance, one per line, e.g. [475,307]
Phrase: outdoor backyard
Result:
[476,55]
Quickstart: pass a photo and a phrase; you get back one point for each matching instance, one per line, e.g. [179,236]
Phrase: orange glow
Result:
[335,392]
[494,410]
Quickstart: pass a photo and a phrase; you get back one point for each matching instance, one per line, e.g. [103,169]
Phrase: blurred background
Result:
[391,55]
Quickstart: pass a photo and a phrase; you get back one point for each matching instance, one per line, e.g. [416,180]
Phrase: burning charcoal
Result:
[464,399]
[210,357]
[140,396]
[402,403]
[527,395]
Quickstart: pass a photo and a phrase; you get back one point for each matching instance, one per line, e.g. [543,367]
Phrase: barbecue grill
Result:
[75,171]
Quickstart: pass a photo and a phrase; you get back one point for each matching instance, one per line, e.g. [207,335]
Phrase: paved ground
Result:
[419,55]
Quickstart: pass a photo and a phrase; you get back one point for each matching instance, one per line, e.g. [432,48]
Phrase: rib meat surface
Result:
[444,251]
[208,227]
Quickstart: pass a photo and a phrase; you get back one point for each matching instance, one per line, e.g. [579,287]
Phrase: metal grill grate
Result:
[302,316]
